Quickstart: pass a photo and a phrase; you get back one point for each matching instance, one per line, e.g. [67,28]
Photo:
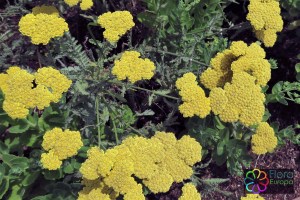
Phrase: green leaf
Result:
[2,172]
[30,178]
[297,67]
[147,112]
[21,127]
[68,169]
[220,148]
[53,174]
[218,123]
[277,88]
[3,148]
[4,187]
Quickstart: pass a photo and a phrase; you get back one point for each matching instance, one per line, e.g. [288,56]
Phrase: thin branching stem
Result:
[154,92]
[151,49]
[98,121]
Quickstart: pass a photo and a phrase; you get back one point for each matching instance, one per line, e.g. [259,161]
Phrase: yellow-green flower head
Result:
[238,58]
[52,78]
[50,10]
[15,109]
[96,190]
[240,100]
[84,4]
[254,63]
[58,142]
[42,27]
[264,139]
[190,150]
[116,24]
[50,160]
[16,86]
[131,66]
[158,162]
[220,71]
[189,191]
[266,20]
[193,97]
[252,197]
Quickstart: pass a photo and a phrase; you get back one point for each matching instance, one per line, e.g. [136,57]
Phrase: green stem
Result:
[115,130]
[155,92]
[90,31]
[151,49]
[98,121]
[137,131]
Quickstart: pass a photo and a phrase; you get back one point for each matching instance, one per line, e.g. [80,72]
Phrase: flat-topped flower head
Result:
[265,18]
[116,24]
[42,25]
[157,162]
[194,100]
[241,100]
[264,139]
[189,192]
[239,57]
[57,142]
[84,4]
[131,66]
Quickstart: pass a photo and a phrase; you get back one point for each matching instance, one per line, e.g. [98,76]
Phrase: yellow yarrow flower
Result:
[42,27]
[189,192]
[116,24]
[241,100]
[52,78]
[57,142]
[165,159]
[84,4]
[20,95]
[266,20]
[131,66]
[252,197]
[238,58]
[264,139]
[193,97]
[50,161]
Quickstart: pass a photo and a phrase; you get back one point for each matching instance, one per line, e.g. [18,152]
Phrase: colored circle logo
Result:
[256,181]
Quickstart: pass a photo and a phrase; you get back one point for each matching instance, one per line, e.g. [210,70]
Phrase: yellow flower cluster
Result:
[61,145]
[252,197]
[239,57]
[189,192]
[157,162]
[133,67]
[235,79]
[264,139]
[84,4]
[20,94]
[240,100]
[42,25]
[266,20]
[193,97]
[116,24]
